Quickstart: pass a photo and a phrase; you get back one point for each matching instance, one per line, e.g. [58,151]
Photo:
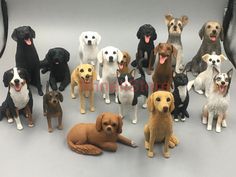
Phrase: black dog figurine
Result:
[147,35]
[26,54]
[181,96]
[56,62]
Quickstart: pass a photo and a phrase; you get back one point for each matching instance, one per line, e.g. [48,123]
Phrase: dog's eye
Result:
[81,70]
[106,52]
[124,56]
[168,99]
[209,26]
[218,61]
[158,99]
[89,70]
[210,59]
[105,123]
[114,52]
[86,37]
[93,37]
[171,23]
[218,79]
[179,25]
[113,125]
[217,27]
[168,48]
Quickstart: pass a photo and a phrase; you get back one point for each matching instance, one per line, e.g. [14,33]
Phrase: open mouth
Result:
[162,59]
[17,87]
[121,65]
[222,88]
[87,80]
[213,38]
[147,38]
[28,41]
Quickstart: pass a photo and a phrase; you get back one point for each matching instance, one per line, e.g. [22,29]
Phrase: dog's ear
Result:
[127,56]
[14,35]
[118,73]
[202,31]
[174,51]
[32,32]
[154,34]
[215,71]
[230,73]
[94,74]
[205,57]
[99,122]
[150,103]
[6,79]
[172,104]
[49,55]
[132,73]
[139,32]
[98,36]
[156,49]
[222,37]
[67,55]
[81,41]
[120,124]
[168,18]
[100,56]
[60,96]
[184,20]
[120,55]
[222,57]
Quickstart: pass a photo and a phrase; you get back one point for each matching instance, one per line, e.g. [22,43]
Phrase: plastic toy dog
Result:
[91,139]
[124,63]
[52,107]
[88,49]
[19,98]
[218,101]
[162,77]
[175,28]
[56,62]
[203,81]
[159,126]
[83,77]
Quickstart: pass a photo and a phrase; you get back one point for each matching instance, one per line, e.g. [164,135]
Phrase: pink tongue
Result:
[162,59]
[17,88]
[121,66]
[222,89]
[147,39]
[213,39]
[28,41]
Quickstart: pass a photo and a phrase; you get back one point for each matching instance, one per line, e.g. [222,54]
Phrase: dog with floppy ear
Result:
[124,63]
[159,126]
[83,77]
[56,61]
[91,139]
[211,35]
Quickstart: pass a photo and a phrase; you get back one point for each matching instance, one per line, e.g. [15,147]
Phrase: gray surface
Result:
[36,153]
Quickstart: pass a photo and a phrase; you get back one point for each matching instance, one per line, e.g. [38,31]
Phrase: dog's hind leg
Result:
[82,101]
[98,71]
[166,152]
[224,124]
[49,124]
[108,146]
[60,127]
[219,122]
[198,86]
[72,89]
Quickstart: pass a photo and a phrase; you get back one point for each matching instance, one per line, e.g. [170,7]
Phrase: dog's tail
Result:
[86,149]
[226,23]
[190,85]
[47,87]
[140,67]
[5,24]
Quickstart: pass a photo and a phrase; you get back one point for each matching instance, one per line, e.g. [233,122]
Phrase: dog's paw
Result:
[116,100]
[73,96]
[209,127]
[144,106]
[107,101]
[166,154]
[50,130]
[19,127]
[104,96]
[82,111]
[204,120]
[31,125]
[176,119]
[61,88]
[59,127]
[199,92]
[92,109]
[224,124]
[218,129]
[150,154]
[40,92]
[183,119]
[98,78]
[134,121]
[10,120]
[133,144]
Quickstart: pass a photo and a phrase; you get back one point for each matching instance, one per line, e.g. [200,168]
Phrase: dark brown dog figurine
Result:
[91,139]
[162,77]
[52,107]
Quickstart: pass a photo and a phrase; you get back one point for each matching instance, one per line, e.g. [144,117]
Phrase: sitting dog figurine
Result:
[218,101]
[181,96]
[162,77]
[159,126]
[19,98]
[83,77]
[203,81]
[91,139]
[56,62]
[52,107]
[124,63]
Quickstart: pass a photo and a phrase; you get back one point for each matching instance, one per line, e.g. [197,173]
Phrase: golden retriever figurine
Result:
[159,126]
[83,77]
[91,139]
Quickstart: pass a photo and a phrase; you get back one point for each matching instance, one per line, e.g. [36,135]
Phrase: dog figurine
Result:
[162,76]
[124,63]
[26,54]
[88,49]
[146,35]
[109,57]
[91,139]
[175,27]
[181,96]
[130,89]
[159,126]
[56,62]
[83,77]
[211,34]
[19,98]
[203,81]
[52,107]
[218,100]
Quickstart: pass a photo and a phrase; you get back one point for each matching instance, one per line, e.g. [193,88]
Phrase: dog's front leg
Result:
[65,81]
[219,122]
[151,144]
[72,89]
[49,124]
[210,120]
[98,71]
[82,104]
[38,81]
[18,121]
[60,127]
[53,82]
[135,119]
[126,141]
[91,98]
[106,90]
[121,111]
[166,152]
[28,114]
[151,61]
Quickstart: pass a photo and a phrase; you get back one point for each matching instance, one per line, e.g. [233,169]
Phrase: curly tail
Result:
[5,25]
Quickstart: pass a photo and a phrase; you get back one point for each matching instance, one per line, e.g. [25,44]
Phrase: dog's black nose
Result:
[214,31]
[54,101]
[222,83]
[87,76]
[213,62]
[165,109]
[111,59]
[16,81]
[89,42]
[108,128]
[175,27]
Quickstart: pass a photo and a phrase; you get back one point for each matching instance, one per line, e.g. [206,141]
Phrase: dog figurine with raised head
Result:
[160,124]
[83,76]
[92,139]
[124,63]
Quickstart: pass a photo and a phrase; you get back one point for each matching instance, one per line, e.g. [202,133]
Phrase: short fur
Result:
[162,77]
[91,139]
[124,63]
[52,107]
[5,25]
[26,54]
[211,34]
[56,61]
[159,126]
[83,77]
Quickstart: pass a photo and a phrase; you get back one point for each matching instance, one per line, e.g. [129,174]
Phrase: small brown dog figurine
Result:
[91,139]
[159,126]
[124,64]
[162,77]
[83,77]
[52,107]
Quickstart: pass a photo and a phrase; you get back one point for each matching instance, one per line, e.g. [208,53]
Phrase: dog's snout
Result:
[89,42]
[214,31]
[165,109]
[108,128]
[213,62]
[87,76]
[175,27]
[54,101]
[222,83]
[110,58]
[16,81]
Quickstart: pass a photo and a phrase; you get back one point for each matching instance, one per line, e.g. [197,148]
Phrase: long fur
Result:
[5,24]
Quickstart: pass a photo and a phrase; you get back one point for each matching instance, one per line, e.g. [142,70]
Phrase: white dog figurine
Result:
[218,101]
[108,57]
[203,81]
[88,49]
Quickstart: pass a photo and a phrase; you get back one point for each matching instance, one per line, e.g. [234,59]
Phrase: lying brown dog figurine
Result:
[91,139]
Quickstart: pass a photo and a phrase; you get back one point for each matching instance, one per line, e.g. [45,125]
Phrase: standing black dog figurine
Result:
[26,54]
[56,62]
[181,96]
[147,35]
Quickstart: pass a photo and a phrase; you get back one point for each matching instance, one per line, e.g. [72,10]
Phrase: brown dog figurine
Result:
[162,77]
[124,63]
[159,126]
[52,107]
[91,139]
